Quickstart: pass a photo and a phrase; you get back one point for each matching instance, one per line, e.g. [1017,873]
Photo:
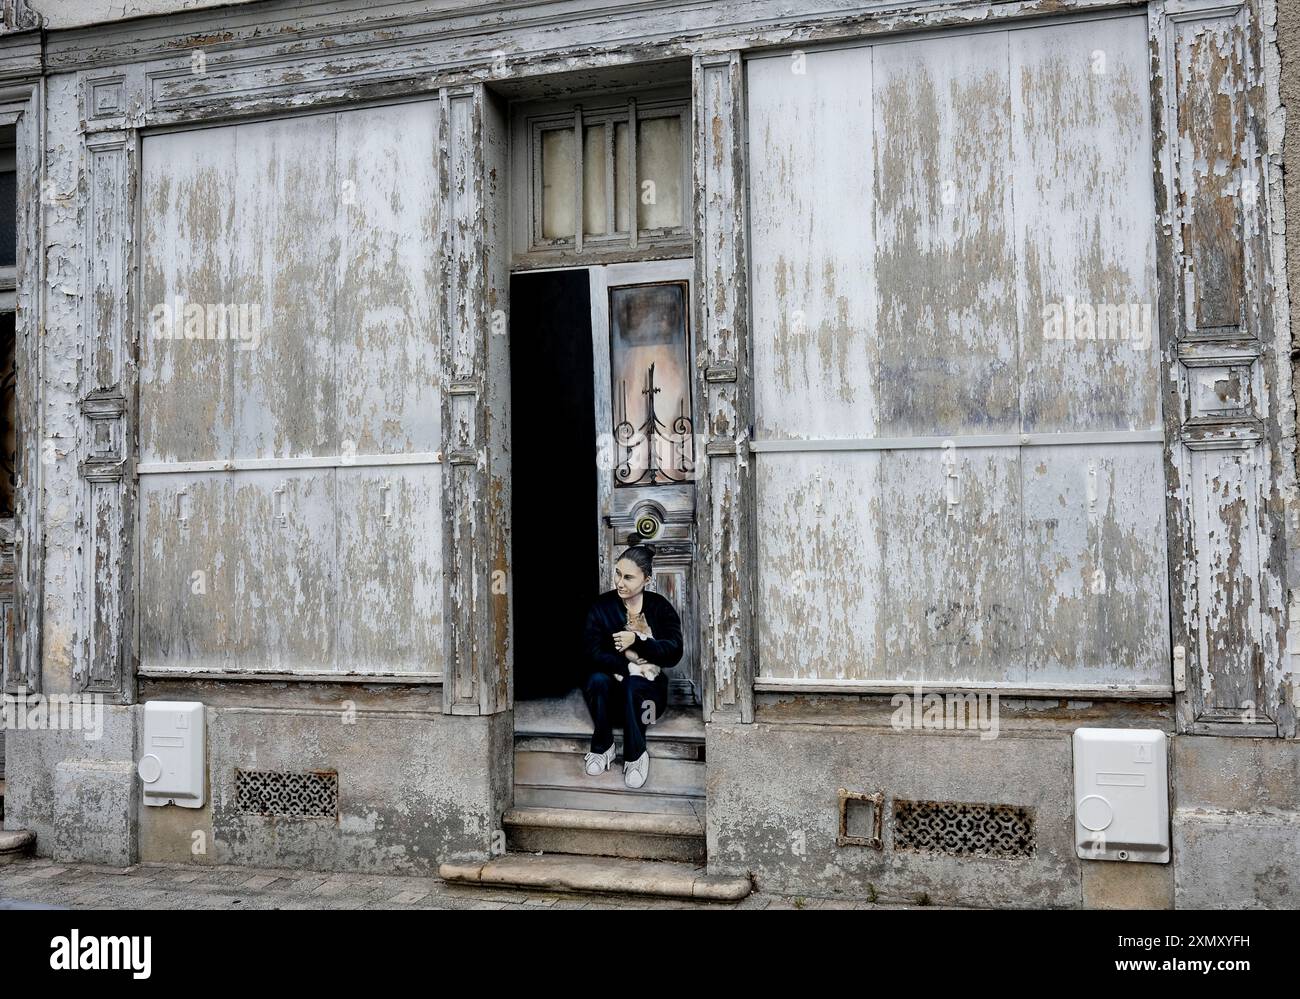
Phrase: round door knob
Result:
[149,768]
[647,525]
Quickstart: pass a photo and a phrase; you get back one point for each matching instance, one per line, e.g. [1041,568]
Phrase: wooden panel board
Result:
[237,571]
[823,562]
[1211,66]
[1007,169]
[1225,491]
[813,281]
[327,225]
[953,607]
[188,204]
[286,246]
[1081,161]
[388,294]
[1096,583]
[945,258]
[389,569]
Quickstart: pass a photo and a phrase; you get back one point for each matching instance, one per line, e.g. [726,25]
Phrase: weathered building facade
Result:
[943,350]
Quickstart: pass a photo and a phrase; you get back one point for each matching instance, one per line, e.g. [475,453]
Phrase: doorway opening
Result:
[602,455]
[603,458]
[603,452]
[553,450]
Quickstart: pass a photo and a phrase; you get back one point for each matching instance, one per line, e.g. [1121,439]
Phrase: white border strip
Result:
[1127,691]
[957,440]
[306,676]
[256,464]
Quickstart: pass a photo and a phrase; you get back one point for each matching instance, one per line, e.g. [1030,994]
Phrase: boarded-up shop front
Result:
[937,352]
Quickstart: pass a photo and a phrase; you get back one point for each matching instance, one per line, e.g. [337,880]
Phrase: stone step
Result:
[679,778]
[660,749]
[622,800]
[15,844]
[634,835]
[616,875]
[568,717]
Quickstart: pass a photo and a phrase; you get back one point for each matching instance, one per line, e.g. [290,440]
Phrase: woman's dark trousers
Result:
[631,703]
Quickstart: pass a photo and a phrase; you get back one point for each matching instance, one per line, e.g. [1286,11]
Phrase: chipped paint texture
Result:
[1228,477]
[23,560]
[900,280]
[66,592]
[476,414]
[725,478]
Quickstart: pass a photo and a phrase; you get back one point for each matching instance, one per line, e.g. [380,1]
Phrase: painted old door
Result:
[640,321]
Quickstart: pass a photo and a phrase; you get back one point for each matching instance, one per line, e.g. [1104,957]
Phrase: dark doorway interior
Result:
[553,464]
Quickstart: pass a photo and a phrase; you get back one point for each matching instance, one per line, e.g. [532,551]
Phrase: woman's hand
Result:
[623,640]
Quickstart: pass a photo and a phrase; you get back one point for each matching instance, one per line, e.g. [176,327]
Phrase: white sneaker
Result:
[598,763]
[636,772]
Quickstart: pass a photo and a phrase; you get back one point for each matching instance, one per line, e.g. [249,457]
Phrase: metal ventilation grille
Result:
[964,829]
[313,795]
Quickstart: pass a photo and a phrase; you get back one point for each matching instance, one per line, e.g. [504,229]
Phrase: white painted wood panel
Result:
[1096,581]
[1225,489]
[953,605]
[238,571]
[389,531]
[945,262]
[287,243]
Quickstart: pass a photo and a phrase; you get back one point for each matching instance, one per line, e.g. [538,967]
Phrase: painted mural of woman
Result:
[632,636]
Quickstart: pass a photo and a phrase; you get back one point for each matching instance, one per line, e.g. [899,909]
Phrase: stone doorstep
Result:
[605,833]
[16,844]
[607,875]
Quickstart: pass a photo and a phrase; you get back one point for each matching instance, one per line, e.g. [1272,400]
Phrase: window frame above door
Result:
[530,121]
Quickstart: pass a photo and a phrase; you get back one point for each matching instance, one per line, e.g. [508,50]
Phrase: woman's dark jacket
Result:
[608,615]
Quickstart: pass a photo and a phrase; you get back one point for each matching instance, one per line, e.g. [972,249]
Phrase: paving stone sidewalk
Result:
[177,886]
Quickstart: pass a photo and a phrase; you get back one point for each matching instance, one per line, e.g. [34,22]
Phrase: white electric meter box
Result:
[172,764]
[1121,794]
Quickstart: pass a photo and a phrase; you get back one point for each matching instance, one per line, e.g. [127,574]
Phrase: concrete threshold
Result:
[559,872]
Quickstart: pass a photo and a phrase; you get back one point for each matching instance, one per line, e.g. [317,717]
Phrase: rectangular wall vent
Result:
[964,829]
[312,795]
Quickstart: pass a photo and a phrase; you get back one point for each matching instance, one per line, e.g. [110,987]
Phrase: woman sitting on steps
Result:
[632,636]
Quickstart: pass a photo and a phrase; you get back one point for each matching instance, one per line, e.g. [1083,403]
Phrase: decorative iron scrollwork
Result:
[632,439]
